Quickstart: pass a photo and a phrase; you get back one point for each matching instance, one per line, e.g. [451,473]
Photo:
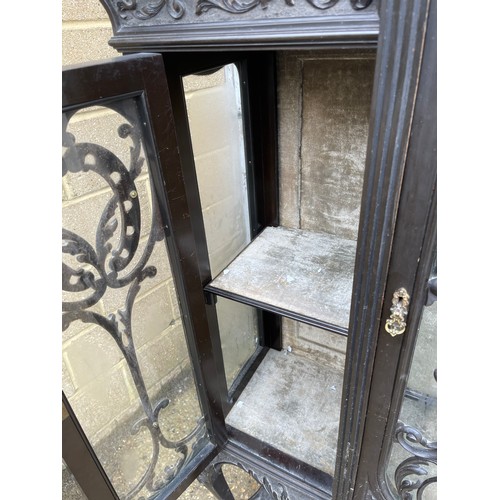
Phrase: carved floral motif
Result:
[177,8]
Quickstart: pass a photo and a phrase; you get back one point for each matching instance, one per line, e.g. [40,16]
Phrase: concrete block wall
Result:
[85,32]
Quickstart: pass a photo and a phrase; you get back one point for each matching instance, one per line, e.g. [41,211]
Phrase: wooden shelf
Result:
[293,403]
[303,275]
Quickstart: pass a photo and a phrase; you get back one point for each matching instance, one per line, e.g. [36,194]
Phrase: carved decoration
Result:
[213,478]
[177,8]
[326,4]
[241,6]
[360,4]
[88,272]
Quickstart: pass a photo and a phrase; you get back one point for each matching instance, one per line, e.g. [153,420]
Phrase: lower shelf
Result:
[293,404]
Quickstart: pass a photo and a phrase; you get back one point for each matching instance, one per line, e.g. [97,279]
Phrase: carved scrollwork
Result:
[323,4]
[242,6]
[177,8]
[213,478]
[360,4]
[232,6]
[119,260]
[275,490]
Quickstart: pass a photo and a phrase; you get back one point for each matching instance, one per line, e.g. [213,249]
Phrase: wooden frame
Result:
[394,168]
[173,25]
[258,98]
[414,241]
[143,76]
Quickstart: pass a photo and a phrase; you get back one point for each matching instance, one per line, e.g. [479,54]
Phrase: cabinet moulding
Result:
[176,9]
[145,25]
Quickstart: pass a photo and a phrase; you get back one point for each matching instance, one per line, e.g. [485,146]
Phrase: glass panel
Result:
[238,329]
[412,465]
[70,488]
[126,368]
[215,122]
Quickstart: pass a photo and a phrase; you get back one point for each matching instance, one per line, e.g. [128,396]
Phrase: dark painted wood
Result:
[176,68]
[271,327]
[245,374]
[291,469]
[386,197]
[398,65]
[356,27]
[309,320]
[144,76]
[258,103]
[81,459]
[262,115]
[414,242]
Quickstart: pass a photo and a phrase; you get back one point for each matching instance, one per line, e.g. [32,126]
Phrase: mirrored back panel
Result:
[215,115]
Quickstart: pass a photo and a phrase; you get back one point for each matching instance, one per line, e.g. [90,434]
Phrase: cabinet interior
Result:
[299,270]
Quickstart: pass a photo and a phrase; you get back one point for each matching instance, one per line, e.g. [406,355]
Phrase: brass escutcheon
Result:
[396,324]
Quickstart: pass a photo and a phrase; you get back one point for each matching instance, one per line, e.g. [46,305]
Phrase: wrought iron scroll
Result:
[424,455]
[116,262]
[177,8]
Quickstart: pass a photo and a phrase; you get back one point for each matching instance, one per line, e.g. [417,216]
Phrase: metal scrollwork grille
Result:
[421,464]
[118,261]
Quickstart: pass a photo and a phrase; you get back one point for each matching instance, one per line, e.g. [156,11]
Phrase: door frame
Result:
[411,260]
[143,75]
[390,166]
[256,72]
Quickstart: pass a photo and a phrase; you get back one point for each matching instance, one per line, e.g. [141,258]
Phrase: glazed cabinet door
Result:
[139,416]
[398,454]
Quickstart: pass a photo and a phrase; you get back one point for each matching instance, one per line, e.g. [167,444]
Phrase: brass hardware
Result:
[396,324]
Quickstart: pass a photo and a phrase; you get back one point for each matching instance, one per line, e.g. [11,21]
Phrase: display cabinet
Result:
[249,249]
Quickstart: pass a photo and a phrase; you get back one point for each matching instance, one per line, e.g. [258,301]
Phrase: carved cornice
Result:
[203,25]
[147,9]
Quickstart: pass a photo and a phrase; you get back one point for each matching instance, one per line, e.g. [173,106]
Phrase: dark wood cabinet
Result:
[334,262]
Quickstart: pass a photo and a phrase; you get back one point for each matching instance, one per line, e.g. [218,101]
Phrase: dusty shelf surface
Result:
[293,404]
[300,274]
